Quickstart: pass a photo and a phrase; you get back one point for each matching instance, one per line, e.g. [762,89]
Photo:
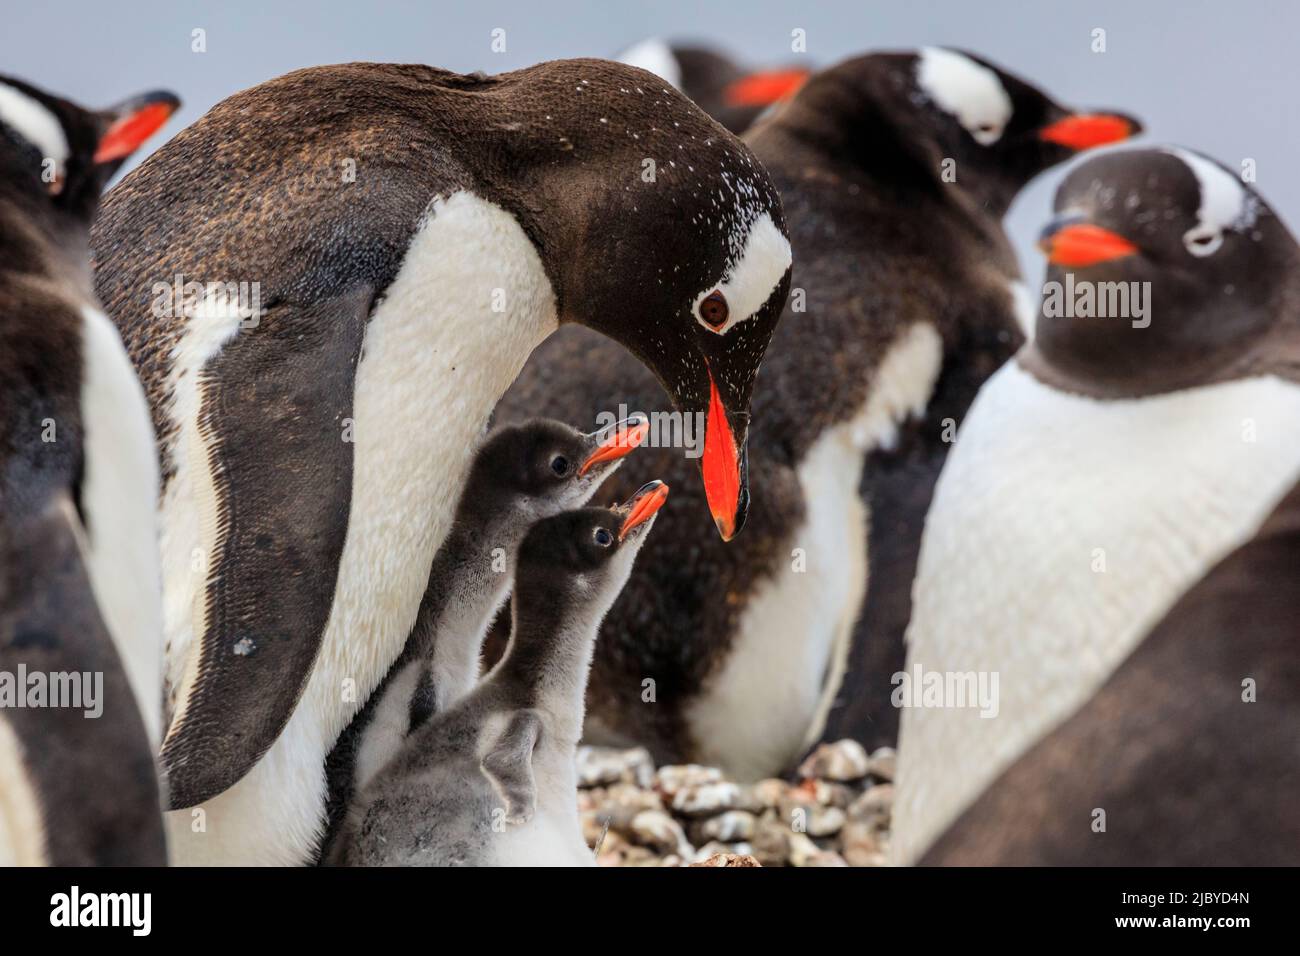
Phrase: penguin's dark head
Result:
[678,250]
[541,467]
[64,155]
[731,94]
[971,122]
[1199,269]
[587,554]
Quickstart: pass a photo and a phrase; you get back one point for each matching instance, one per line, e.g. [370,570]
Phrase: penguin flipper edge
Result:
[509,766]
[275,416]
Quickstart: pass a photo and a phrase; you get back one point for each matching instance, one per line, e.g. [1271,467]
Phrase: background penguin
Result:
[521,474]
[1189,747]
[414,235]
[78,561]
[731,94]
[905,306]
[1101,474]
[493,781]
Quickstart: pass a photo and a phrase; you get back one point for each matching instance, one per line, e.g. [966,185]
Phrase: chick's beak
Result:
[643,506]
[622,438]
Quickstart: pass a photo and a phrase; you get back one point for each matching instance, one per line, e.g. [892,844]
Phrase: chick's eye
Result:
[560,465]
[603,537]
[714,310]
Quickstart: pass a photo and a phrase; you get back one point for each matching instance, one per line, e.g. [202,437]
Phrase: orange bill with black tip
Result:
[1088,130]
[643,506]
[1080,244]
[135,122]
[764,88]
[721,466]
[624,436]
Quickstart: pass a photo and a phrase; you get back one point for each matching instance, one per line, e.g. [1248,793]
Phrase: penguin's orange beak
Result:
[624,436]
[723,467]
[764,88]
[643,506]
[133,122]
[1076,244]
[1081,131]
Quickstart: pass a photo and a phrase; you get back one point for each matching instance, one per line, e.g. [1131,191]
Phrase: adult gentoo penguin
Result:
[80,612]
[493,780]
[413,235]
[1189,748]
[1101,474]
[906,304]
[733,95]
[521,474]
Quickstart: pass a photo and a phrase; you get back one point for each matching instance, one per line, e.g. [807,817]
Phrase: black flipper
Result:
[275,402]
[94,776]
[509,765]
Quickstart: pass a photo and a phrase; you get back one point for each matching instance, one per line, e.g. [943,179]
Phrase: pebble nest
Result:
[835,811]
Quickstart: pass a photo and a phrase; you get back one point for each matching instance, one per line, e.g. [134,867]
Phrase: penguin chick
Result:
[522,473]
[492,781]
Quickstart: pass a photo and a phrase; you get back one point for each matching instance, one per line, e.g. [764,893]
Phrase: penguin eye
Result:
[560,466]
[1202,242]
[987,133]
[603,537]
[714,310]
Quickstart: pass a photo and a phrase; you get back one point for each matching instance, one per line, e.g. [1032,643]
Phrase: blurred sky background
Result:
[1221,77]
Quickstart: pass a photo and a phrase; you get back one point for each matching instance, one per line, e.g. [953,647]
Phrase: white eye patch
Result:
[966,89]
[763,260]
[33,122]
[1225,204]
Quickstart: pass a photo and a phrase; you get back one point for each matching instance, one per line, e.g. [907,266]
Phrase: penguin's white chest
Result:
[1062,529]
[771,696]
[470,302]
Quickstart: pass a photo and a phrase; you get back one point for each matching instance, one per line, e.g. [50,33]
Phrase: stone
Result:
[803,850]
[771,842]
[876,803]
[705,799]
[766,794]
[727,827]
[671,778]
[804,816]
[728,859]
[598,766]
[659,831]
[881,763]
[842,760]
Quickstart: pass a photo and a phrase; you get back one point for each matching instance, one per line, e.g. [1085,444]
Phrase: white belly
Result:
[770,698]
[1062,529]
[435,359]
[119,497]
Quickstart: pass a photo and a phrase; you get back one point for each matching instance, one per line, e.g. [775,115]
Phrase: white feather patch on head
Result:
[656,56]
[969,91]
[1225,203]
[31,120]
[763,260]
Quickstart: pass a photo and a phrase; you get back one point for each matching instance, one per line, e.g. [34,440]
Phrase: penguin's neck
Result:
[467,586]
[546,666]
